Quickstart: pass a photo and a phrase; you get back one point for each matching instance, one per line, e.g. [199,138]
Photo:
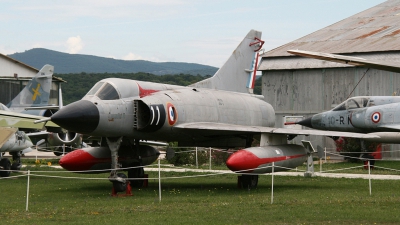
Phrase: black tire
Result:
[6,164]
[136,173]
[16,166]
[119,186]
[57,153]
[249,181]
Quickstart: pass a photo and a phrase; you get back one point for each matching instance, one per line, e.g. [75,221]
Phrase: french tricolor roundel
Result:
[376,117]
[172,114]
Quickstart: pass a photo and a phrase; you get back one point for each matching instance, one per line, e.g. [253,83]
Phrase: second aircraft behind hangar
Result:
[217,112]
[377,115]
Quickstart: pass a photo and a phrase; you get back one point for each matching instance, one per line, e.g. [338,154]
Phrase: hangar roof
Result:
[20,63]
[17,63]
[374,30]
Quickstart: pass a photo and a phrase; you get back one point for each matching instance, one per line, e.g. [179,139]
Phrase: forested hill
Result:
[65,63]
[79,84]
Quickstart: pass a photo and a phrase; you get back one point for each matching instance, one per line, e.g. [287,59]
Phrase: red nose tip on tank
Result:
[243,161]
[259,159]
[77,160]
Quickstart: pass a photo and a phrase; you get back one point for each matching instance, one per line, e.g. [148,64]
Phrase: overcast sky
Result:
[195,31]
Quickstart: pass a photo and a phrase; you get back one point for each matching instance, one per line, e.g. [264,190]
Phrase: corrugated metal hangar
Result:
[303,86]
[14,76]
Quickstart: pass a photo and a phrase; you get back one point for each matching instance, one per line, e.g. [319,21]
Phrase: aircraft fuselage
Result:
[17,142]
[153,114]
[365,120]
[375,114]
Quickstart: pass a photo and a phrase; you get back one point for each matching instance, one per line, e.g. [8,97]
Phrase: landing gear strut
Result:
[118,179]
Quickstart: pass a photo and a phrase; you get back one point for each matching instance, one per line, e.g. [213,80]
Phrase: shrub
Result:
[185,156]
[351,148]
[219,157]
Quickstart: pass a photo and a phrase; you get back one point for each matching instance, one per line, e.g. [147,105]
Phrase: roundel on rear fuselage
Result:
[172,114]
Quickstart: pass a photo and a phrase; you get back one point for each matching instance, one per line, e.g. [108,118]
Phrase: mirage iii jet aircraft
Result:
[377,115]
[217,112]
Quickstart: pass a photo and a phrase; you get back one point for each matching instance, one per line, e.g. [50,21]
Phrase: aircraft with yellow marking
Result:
[35,94]
[32,103]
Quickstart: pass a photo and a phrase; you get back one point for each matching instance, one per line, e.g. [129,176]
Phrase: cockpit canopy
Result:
[353,103]
[366,101]
[114,88]
[104,91]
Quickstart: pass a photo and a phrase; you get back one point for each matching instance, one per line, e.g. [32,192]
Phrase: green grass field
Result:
[200,200]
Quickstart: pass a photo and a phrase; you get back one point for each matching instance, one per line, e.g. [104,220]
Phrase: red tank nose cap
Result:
[77,160]
[243,161]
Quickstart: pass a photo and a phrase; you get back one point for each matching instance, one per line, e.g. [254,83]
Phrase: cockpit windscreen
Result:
[108,92]
[353,103]
[104,91]
[95,88]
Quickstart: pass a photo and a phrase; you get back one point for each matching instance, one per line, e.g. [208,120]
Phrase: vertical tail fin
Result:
[239,71]
[37,91]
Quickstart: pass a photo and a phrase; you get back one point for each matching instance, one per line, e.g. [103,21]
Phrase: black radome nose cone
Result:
[81,117]
[306,122]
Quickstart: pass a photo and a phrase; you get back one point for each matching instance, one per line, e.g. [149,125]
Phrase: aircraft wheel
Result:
[119,186]
[249,181]
[6,164]
[136,173]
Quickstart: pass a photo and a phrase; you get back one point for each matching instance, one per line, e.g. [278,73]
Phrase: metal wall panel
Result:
[10,89]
